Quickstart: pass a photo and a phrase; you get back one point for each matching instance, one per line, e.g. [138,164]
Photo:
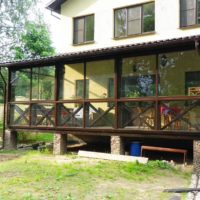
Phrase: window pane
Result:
[148,17]
[99,74]
[120,22]
[100,115]
[188,18]
[79,30]
[134,20]
[20,85]
[198,12]
[71,81]
[179,74]
[134,27]
[70,115]
[138,77]
[137,115]
[43,83]
[134,13]
[188,4]
[89,28]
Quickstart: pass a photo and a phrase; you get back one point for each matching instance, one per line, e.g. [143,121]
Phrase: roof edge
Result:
[55,5]
[189,42]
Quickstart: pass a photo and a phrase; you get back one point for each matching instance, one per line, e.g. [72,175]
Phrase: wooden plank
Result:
[163,149]
[172,150]
[107,156]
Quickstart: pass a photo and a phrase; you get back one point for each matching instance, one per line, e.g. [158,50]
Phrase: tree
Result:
[13,18]
[34,42]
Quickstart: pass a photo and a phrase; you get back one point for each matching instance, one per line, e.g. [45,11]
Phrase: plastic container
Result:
[135,149]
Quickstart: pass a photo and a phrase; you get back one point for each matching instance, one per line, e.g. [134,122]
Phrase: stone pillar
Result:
[196,156]
[117,145]
[60,144]
[10,140]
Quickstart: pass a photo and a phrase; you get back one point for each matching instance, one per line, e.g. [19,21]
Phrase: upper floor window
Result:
[84,29]
[134,20]
[190,12]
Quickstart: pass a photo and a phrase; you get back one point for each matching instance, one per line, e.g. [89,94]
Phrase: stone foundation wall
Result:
[60,144]
[117,145]
[196,156]
[10,140]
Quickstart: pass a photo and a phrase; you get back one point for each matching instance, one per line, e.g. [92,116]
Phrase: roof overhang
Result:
[147,48]
[55,5]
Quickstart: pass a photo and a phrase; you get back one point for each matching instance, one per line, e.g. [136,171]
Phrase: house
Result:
[129,69]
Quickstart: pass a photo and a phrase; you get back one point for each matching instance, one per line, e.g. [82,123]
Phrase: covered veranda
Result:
[148,90]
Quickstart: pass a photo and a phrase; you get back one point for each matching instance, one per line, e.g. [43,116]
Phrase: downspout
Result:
[4,108]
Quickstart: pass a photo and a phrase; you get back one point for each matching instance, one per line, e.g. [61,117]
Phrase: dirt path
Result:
[5,157]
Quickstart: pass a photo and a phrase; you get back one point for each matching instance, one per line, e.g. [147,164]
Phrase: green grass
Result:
[34,177]
[34,137]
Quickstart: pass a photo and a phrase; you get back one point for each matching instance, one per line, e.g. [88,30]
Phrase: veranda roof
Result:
[182,43]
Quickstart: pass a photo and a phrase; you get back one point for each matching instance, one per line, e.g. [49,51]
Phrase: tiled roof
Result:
[160,45]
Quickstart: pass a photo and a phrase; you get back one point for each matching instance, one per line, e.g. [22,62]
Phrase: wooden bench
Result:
[172,150]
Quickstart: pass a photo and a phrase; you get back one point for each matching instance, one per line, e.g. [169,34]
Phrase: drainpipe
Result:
[4,108]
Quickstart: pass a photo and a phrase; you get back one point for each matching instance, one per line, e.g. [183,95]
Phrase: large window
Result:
[72,82]
[179,74]
[84,29]
[134,20]
[43,82]
[138,77]
[99,73]
[36,84]
[20,85]
[189,12]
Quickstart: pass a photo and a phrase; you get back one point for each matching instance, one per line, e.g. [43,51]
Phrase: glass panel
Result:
[99,73]
[100,115]
[79,30]
[89,28]
[176,74]
[134,27]
[43,83]
[180,115]
[188,4]
[70,115]
[134,20]
[138,77]
[120,22]
[198,12]
[19,114]
[188,18]
[134,13]
[148,17]
[137,115]
[43,115]
[71,81]
[20,85]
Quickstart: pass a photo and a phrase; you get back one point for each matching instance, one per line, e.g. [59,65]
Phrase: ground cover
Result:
[35,176]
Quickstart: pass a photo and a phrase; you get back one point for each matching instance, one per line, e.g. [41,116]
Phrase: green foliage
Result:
[35,42]
[14,15]
[25,137]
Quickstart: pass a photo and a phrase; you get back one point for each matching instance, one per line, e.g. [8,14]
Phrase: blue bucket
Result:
[135,149]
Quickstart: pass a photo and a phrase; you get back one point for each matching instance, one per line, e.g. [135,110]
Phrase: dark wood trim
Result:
[180,135]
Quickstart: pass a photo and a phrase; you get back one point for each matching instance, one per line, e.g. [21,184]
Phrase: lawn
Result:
[34,175]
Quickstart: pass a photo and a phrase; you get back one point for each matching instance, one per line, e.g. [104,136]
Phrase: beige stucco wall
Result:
[166,22]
